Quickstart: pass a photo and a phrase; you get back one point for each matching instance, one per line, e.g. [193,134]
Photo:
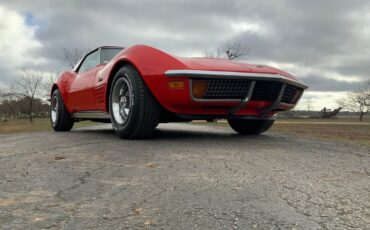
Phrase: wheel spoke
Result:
[121,104]
[124,115]
[54,110]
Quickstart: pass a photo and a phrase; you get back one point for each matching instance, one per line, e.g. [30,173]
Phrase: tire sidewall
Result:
[64,122]
[129,125]
[250,126]
[56,95]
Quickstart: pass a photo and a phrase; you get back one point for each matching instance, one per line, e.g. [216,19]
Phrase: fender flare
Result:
[148,61]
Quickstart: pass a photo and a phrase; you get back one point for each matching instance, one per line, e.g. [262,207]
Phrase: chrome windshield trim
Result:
[233,75]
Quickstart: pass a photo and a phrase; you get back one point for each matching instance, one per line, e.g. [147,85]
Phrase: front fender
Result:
[151,63]
[63,83]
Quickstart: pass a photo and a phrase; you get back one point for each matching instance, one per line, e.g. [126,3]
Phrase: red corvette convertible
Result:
[138,87]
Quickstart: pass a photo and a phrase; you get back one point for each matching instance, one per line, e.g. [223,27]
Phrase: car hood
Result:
[218,64]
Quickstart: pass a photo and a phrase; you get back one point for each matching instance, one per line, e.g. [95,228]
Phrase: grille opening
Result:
[266,91]
[237,89]
[290,94]
[227,89]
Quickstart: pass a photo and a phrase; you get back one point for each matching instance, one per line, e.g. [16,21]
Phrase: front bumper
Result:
[233,75]
[249,99]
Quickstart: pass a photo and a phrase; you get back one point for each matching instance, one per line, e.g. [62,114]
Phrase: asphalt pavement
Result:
[189,176]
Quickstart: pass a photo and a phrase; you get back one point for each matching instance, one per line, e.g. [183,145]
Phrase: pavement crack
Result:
[82,179]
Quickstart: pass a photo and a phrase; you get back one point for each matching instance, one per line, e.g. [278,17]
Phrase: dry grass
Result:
[339,120]
[345,131]
[39,124]
[348,130]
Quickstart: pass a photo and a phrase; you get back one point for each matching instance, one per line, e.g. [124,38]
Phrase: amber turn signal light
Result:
[199,88]
[176,84]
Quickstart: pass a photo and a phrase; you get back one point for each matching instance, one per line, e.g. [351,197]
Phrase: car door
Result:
[106,55]
[81,89]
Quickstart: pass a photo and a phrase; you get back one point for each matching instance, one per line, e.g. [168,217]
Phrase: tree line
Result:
[26,96]
[18,108]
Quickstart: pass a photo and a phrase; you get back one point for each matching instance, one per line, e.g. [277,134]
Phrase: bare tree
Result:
[308,103]
[27,87]
[236,50]
[230,51]
[3,108]
[48,81]
[212,53]
[70,57]
[358,101]
[10,104]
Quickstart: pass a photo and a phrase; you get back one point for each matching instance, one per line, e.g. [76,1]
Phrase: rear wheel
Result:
[250,127]
[60,118]
[134,111]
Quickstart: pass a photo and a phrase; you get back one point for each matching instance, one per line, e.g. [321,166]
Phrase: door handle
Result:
[100,79]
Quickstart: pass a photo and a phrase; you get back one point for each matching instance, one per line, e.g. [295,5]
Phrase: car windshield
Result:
[108,53]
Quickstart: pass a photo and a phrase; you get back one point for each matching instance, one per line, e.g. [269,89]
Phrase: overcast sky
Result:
[325,43]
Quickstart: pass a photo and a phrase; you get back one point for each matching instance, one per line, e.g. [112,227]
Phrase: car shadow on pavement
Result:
[201,136]
[184,134]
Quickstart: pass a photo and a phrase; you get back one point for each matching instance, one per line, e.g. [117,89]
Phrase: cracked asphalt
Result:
[187,177]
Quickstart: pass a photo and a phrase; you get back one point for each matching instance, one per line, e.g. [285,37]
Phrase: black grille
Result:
[289,93]
[266,91]
[238,89]
[227,89]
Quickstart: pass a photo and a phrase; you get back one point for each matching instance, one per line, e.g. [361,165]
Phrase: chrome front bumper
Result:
[234,75]
[253,77]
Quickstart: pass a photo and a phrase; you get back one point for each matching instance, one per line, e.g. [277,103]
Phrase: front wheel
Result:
[134,111]
[249,126]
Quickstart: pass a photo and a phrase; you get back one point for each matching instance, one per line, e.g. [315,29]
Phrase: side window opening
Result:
[90,62]
[106,54]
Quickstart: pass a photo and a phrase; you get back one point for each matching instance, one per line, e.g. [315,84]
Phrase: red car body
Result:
[170,78]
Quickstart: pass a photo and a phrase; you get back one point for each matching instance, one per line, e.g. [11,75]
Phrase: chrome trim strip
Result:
[287,105]
[91,115]
[233,75]
[245,100]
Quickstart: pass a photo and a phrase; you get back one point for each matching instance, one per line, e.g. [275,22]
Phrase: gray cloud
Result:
[329,35]
[318,83]
[6,75]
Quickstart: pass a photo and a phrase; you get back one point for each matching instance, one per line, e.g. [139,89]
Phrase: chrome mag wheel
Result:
[54,110]
[134,111]
[122,100]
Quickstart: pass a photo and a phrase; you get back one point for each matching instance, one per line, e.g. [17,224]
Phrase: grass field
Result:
[39,124]
[348,130]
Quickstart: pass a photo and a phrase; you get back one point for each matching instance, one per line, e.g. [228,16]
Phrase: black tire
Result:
[62,121]
[144,111]
[250,126]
